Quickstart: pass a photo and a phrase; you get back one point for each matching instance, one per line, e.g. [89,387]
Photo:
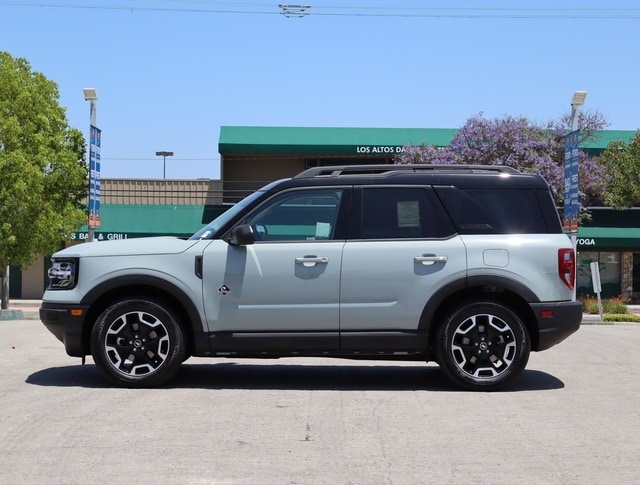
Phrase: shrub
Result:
[617,317]
[590,305]
[612,305]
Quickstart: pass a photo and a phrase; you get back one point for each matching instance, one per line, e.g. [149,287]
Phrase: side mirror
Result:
[242,235]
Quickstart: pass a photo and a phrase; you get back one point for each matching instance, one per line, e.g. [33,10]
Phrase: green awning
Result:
[624,238]
[123,221]
[604,137]
[309,141]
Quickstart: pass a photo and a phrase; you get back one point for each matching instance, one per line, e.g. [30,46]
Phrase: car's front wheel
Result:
[483,346]
[138,343]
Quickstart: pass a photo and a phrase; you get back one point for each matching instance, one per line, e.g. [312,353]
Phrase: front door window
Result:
[307,215]
[289,280]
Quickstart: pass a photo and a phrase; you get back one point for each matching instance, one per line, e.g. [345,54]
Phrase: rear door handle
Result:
[312,260]
[429,259]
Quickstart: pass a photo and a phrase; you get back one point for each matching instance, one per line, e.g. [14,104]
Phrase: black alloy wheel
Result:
[483,346]
[138,343]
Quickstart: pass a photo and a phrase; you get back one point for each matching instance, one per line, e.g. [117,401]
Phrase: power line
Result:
[254,8]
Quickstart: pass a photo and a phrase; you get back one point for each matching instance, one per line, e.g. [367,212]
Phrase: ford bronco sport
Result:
[463,265]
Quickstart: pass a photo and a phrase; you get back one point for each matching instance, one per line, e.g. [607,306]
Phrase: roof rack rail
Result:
[380,169]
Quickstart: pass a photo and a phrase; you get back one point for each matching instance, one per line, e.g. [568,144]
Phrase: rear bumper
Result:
[65,325]
[556,321]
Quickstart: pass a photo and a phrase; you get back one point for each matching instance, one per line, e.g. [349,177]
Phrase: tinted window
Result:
[402,212]
[301,215]
[493,211]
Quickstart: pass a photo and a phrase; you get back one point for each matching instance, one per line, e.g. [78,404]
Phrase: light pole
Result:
[572,161]
[576,101]
[164,156]
[91,95]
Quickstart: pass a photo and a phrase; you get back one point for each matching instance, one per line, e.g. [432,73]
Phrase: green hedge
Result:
[611,305]
[625,317]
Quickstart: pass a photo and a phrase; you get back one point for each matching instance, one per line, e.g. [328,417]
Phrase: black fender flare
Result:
[467,284]
[149,281]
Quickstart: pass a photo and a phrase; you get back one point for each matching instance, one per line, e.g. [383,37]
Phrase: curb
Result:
[11,315]
[22,309]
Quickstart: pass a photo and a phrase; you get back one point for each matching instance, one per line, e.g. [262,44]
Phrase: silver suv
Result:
[463,265]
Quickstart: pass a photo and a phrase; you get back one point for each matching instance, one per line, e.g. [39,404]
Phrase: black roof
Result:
[463,176]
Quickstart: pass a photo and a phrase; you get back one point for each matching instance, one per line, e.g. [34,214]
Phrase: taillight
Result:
[567,266]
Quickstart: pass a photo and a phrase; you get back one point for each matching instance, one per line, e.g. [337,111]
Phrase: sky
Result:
[170,73]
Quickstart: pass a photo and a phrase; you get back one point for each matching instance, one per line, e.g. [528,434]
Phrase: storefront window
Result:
[610,273]
[583,283]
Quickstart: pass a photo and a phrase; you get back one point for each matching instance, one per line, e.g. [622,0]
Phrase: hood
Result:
[127,247]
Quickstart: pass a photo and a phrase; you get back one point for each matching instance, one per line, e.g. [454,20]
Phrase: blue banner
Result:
[571,189]
[94,177]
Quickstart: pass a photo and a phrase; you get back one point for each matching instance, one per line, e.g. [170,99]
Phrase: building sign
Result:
[571,204]
[587,241]
[379,150]
[94,177]
[102,236]
[83,236]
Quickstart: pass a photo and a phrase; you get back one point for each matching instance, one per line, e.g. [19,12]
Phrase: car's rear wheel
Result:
[483,346]
[138,343]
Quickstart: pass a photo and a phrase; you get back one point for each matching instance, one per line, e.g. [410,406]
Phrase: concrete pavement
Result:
[571,418]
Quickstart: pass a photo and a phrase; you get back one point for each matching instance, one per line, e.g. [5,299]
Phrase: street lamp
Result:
[91,95]
[164,156]
[571,175]
[576,101]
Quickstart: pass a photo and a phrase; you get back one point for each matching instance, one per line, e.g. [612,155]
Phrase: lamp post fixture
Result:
[576,101]
[90,95]
[164,156]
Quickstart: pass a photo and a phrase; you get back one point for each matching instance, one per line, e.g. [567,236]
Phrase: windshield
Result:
[223,219]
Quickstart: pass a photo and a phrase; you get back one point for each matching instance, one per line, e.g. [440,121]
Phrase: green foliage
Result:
[611,305]
[622,161]
[521,144]
[43,173]
[621,317]
[614,305]
[590,305]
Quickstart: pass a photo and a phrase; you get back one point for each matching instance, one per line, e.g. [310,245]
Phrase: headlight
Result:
[63,274]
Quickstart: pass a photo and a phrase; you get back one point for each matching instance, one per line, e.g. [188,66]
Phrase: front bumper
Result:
[66,321]
[556,321]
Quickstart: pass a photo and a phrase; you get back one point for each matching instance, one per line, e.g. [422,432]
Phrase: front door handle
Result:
[312,260]
[429,259]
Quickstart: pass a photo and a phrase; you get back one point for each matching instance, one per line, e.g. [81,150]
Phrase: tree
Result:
[623,166]
[517,143]
[43,174]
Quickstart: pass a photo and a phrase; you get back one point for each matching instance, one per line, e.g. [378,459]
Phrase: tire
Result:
[138,343]
[483,346]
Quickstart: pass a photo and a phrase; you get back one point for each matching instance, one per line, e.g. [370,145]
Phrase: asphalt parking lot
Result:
[573,417]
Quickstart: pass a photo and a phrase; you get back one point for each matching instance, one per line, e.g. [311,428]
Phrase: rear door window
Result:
[402,213]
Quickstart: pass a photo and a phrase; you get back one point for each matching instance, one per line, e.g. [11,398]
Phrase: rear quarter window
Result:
[496,211]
